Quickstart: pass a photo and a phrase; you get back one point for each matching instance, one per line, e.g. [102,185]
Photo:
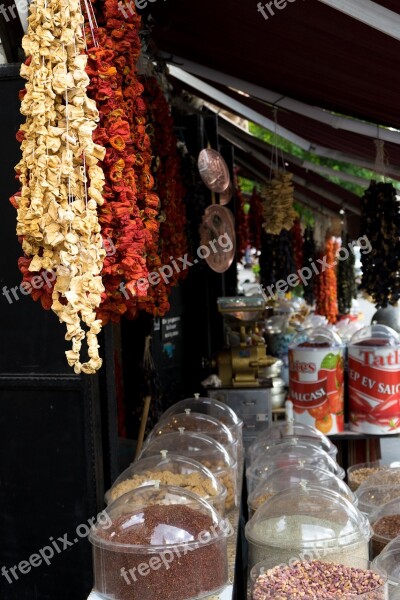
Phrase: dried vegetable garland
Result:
[167,173]
[279,213]
[380,223]
[309,257]
[297,244]
[326,301]
[242,223]
[61,179]
[346,280]
[276,259]
[127,217]
[255,220]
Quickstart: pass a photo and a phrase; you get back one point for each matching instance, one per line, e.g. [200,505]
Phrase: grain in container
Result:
[171,469]
[308,523]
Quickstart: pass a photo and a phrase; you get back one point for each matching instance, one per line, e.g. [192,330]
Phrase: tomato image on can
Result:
[374,381]
[316,379]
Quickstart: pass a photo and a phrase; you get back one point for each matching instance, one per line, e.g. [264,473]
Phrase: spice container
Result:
[214,408]
[159,543]
[206,450]
[171,469]
[316,379]
[291,478]
[308,523]
[289,454]
[374,381]
[389,561]
[279,432]
[386,526]
[316,579]
[380,488]
[199,423]
[357,474]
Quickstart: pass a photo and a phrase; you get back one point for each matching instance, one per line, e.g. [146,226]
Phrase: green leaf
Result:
[330,361]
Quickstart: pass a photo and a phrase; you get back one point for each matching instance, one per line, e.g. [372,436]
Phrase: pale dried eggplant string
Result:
[57,214]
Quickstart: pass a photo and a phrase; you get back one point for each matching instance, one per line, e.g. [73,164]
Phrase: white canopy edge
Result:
[275,99]
[251,115]
[370,13]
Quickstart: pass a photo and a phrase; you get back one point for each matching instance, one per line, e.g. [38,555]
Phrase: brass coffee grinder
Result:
[240,365]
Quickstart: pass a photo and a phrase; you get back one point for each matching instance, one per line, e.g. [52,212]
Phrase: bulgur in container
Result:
[206,450]
[291,478]
[308,523]
[159,543]
[289,454]
[171,469]
[380,488]
[357,474]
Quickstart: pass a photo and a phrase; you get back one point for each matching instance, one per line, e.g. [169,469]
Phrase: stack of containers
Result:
[378,489]
[302,516]
[389,560]
[163,534]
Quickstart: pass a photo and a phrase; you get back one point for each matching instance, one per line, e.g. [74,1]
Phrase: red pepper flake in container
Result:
[159,552]
[316,580]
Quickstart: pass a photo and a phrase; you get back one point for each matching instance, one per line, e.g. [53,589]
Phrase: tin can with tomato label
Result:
[316,379]
[374,381]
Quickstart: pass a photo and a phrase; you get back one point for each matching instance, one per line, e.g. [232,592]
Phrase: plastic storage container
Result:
[171,469]
[209,406]
[289,454]
[207,451]
[319,579]
[199,423]
[278,433]
[316,379]
[389,561]
[291,478]
[308,523]
[159,543]
[378,489]
[374,381]
[358,474]
[386,526]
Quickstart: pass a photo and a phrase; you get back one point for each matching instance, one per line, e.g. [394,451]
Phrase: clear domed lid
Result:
[292,453]
[148,520]
[167,469]
[308,517]
[389,561]
[208,406]
[317,338]
[375,335]
[378,489]
[199,446]
[386,520]
[280,432]
[197,422]
[292,477]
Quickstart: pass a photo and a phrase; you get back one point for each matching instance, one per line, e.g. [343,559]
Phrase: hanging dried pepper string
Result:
[297,244]
[326,301]
[173,242]
[242,223]
[256,216]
